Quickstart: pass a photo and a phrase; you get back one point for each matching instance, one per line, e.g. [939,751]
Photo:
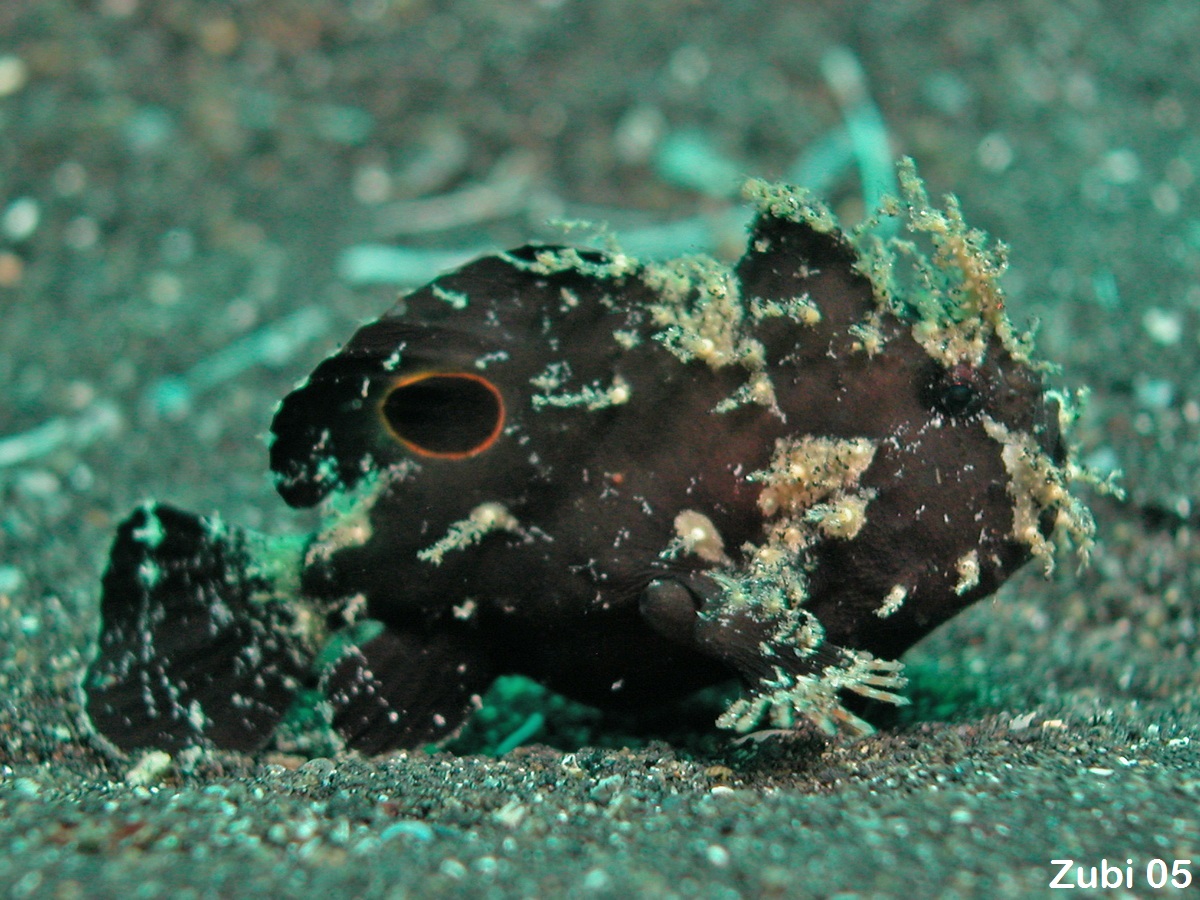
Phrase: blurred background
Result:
[199,200]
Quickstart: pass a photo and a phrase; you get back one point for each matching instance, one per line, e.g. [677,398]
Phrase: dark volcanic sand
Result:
[178,175]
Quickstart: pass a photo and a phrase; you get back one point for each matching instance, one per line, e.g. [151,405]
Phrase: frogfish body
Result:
[625,480]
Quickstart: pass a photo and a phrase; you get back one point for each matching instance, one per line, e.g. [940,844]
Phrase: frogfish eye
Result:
[956,391]
[451,415]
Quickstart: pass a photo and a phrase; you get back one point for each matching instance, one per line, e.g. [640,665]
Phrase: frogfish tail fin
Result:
[194,648]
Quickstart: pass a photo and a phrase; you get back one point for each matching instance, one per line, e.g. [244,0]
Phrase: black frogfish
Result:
[627,480]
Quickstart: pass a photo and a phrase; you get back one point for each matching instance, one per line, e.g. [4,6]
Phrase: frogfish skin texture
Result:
[627,480]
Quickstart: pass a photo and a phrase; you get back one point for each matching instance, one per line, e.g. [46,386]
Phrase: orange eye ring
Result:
[443,415]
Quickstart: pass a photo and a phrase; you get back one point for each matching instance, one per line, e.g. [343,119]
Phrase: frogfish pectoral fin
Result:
[790,672]
[392,688]
[193,649]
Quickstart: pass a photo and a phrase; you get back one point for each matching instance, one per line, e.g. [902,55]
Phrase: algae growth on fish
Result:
[627,480]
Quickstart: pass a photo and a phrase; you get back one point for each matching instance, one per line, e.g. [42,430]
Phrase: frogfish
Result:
[627,480]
